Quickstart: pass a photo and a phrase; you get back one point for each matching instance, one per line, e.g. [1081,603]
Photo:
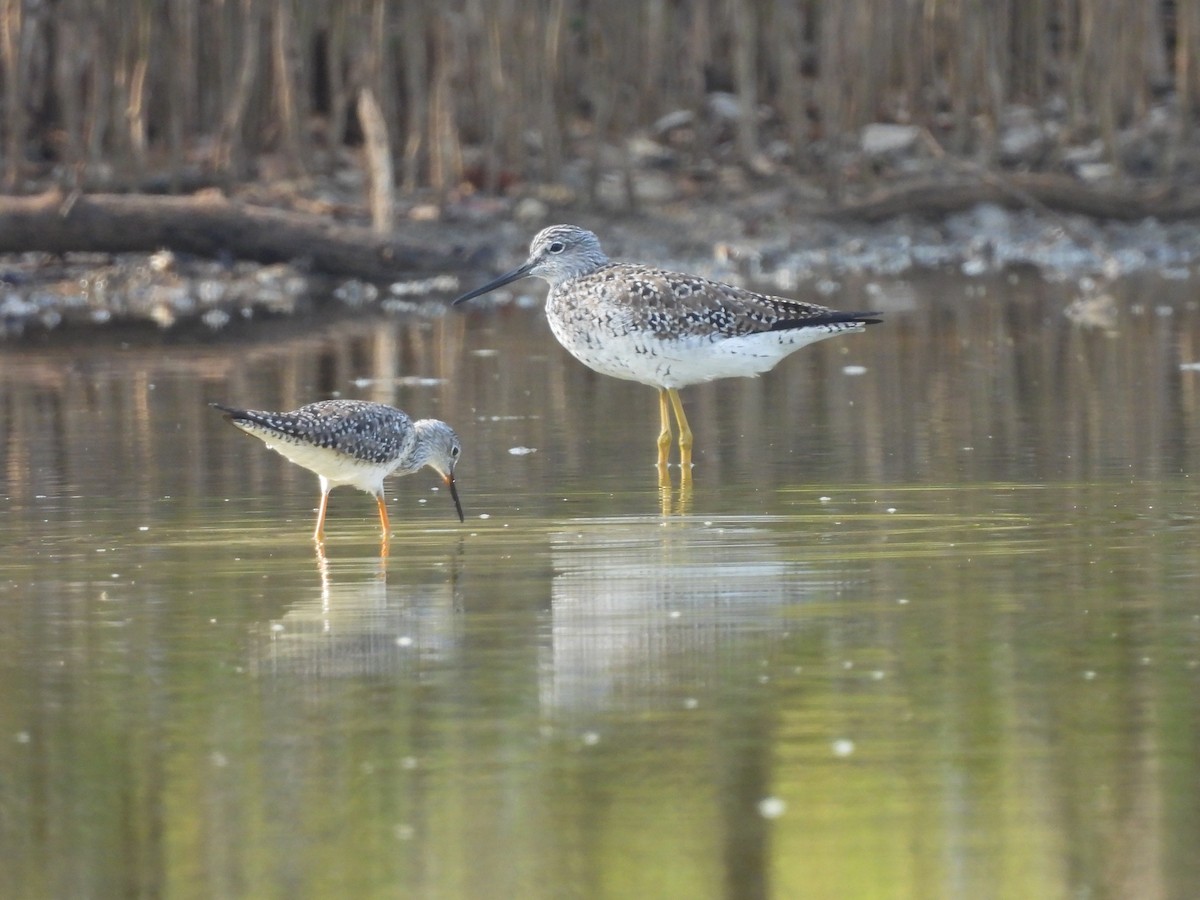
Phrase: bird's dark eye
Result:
[557,247]
[454,451]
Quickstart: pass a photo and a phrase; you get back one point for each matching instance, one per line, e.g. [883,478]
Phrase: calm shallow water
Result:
[928,630]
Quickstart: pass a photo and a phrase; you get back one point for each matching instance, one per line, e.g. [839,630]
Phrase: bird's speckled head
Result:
[439,448]
[557,254]
[562,252]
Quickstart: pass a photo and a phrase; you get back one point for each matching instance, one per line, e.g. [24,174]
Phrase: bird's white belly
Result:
[337,468]
[690,359]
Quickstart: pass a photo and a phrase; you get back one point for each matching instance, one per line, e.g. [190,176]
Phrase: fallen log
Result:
[210,224]
[1041,192]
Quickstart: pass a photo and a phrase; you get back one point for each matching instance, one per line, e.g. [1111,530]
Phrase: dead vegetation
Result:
[128,95]
[332,135]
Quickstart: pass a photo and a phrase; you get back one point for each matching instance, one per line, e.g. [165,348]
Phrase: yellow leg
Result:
[685,437]
[664,436]
[319,534]
[383,516]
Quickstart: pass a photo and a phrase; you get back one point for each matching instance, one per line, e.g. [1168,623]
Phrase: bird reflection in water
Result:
[360,625]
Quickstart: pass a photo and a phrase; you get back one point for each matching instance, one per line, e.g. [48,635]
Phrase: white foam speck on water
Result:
[843,747]
[419,381]
[771,807]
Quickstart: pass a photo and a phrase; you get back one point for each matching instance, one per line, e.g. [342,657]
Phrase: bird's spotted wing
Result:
[366,431]
[671,304]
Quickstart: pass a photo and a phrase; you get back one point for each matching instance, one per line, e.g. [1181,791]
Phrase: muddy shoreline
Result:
[762,236]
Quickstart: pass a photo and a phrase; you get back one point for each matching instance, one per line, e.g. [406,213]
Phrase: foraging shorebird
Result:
[664,329]
[357,443]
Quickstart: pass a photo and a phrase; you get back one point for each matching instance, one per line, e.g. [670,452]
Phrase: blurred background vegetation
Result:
[160,94]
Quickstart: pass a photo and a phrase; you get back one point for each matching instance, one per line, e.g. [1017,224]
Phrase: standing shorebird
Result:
[354,442]
[664,329]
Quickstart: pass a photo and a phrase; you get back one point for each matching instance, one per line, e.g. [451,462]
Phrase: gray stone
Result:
[881,138]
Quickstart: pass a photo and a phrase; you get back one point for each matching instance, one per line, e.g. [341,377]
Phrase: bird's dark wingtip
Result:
[832,317]
[862,318]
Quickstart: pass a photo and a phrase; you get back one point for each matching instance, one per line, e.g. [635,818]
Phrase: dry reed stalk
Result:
[285,72]
[12,25]
[533,82]
[413,26]
[228,152]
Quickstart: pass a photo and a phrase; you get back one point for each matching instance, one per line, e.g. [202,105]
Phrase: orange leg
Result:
[319,534]
[383,516]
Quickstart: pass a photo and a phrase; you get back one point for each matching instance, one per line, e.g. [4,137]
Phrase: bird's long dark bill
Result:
[515,275]
[454,493]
